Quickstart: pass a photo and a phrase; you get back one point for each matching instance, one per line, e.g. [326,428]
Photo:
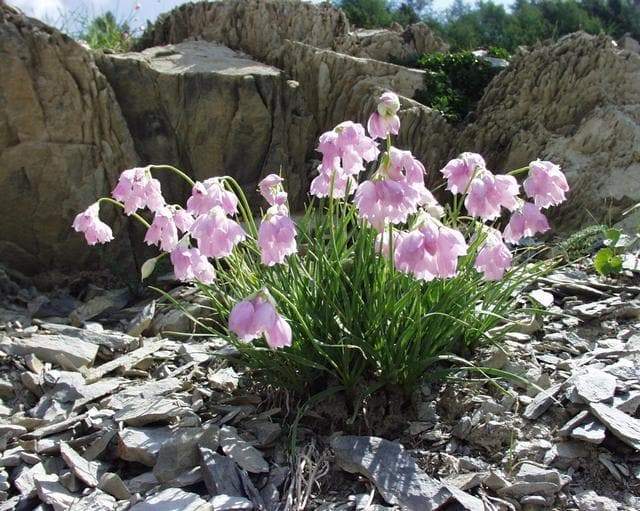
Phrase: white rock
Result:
[173,499]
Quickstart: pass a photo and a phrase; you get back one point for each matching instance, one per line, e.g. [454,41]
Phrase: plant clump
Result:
[377,285]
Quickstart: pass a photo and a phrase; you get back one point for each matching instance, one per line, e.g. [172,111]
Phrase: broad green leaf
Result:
[607,262]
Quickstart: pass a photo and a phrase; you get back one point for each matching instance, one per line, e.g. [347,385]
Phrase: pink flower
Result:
[460,171]
[385,121]
[494,258]
[216,233]
[525,222]
[136,189]
[488,193]
[256,316]
[94,229]
[271,189]
[182,219]
[347,146]
[546,184]
[189,264]
[209,194]
[163,230]
[430,251]
[321,186]
[276,237]
[394,192]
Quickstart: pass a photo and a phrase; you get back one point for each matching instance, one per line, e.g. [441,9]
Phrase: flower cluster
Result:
[416,234]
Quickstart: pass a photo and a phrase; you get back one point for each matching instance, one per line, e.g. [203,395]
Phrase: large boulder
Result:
[63,141]
[577,103]
[212,111]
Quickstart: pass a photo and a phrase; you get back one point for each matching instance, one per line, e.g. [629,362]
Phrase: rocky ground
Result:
[102,409]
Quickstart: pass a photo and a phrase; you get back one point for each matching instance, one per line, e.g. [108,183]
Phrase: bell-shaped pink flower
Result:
[95,230]
[488,193]
[256,316]
[182,219]
[546,184]
[346,147]
[276,237]
[385,120]
[189,264]
[216,233]
[494,257]
[460,171]
[525,222]
[136,189]
[163,231]
[332,182]
[210,193]
[430,251]
[271,189]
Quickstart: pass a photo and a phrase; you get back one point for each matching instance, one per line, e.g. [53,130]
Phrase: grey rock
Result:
[142,445]
[51,492]
[230,503]
[225,379]
[240,451]
[24,478]
[220,474]
[173,499]
[396,475]
[109,301]
[67,352]
[595,385]
[541,403]
[112,484]
[141,411]
[591,501]
[115,342]
[96,501]
[592,431]
[124,362]
[86,471]
[143,320]
[625,427]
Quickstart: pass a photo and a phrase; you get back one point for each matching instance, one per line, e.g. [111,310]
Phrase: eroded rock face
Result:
[257,27]
[575,103]
[63,142]
[212,111]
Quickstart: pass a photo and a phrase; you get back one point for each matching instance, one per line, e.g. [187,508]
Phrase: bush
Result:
[373,292]
[454,82]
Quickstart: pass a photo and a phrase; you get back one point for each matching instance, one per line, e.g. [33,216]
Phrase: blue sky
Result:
[57,12]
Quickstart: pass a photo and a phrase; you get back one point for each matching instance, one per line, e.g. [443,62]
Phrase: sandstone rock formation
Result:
[576,103]
[212,111]
[63,141]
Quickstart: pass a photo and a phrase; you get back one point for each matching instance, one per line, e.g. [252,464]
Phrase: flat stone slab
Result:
[173,499]
[595,385]
[625,427]
[67,352]
[396,475]
[240,451]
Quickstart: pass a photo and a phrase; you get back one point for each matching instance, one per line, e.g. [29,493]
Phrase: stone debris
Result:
[173,499]
[625,427]
[86,471]
[244,454]
[594,386]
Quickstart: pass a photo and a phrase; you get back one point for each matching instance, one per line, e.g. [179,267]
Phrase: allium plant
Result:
[376,284]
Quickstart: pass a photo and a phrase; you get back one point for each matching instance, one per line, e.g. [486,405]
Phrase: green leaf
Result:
[148,266]
[613,235]
[607,262]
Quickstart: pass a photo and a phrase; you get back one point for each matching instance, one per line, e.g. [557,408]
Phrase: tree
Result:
[367,13]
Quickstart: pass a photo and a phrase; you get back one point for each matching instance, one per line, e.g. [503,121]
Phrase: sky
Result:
[63,12]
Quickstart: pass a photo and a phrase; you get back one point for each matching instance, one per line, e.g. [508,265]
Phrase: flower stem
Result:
[174,170]
[244,205]
[516,172]
[134,215]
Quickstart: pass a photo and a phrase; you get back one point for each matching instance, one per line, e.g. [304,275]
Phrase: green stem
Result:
[134,215]
[174,170]
[244,205]
[516,172]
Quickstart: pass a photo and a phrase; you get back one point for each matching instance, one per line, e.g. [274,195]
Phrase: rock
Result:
[51,492]
[220,474]
[544,298]
[142,445]
[225,379]
[173,499]
[112,484]
[581,121]
[240,451]
[591,501]
[541,403]
[594,385]
[113,342]
[110,301]
[63,141]
[260,119]
[182,452]
[230,503]
[67,352]
[396,475]
[86,471]
[24,479]
[124,362]
[95,501]
[141,411]
[625,427]
[591,431]
[143,320]
[628,403]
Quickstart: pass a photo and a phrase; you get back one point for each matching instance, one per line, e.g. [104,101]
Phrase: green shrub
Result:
[454,82]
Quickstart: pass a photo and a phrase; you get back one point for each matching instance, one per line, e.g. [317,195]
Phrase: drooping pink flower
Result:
[394,191]
[190,264]
[271,189]
[488,193]
[137,189]
[216,233]
[494,257]
[460,171]
[430,251]
[210,193]
[256,316]
[546,184]
[276,237]
[525,222]
[182,219]
[332,182]
[346,147]
[385,120]
[163,231]
[95,230]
